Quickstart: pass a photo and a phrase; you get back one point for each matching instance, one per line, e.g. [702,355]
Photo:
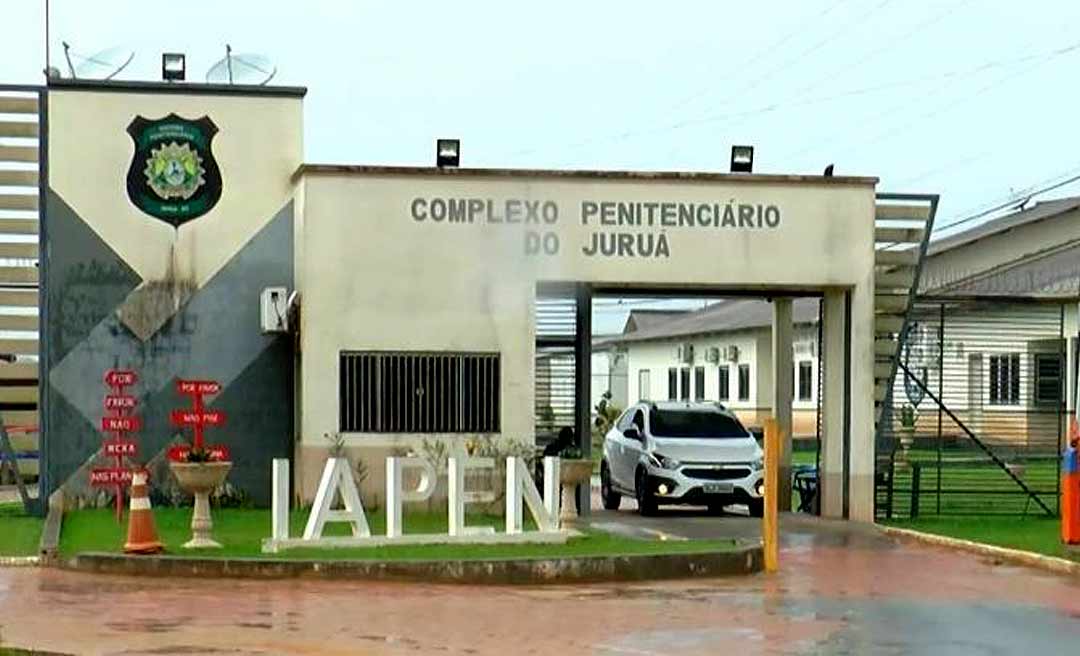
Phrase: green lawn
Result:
[19,532]
[241,532]
[1038,534]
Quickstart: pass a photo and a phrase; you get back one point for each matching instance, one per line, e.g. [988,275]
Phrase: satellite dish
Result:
[248,68]
[102,65]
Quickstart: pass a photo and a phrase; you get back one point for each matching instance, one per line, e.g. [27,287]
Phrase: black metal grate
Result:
[419,392]
[730,474]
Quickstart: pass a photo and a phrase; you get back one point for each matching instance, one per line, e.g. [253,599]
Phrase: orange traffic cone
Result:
[142,535]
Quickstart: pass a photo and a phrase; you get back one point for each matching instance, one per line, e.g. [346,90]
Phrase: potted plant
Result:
[199,471]
[573,471]
[908,419]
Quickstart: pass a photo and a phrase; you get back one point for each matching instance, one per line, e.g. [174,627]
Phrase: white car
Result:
[681,453]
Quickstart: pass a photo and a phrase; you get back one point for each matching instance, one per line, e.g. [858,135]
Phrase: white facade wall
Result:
[972,342]
[424,282]
[754,347]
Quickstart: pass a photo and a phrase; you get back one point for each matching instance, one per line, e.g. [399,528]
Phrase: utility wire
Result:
[894,132]
[950,76]
[759,56]
[877,115]
[1012,201]
[920,27]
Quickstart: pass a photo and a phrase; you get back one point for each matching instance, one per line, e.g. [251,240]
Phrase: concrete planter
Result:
[571,474]
[200,479]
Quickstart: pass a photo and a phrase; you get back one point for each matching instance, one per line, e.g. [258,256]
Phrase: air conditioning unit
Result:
[274,310]
[712,355]
[685,353]
[731,353]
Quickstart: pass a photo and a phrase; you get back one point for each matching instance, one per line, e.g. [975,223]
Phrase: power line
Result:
[888,134]
[877,115]
[936,18]
[957,74]
[760,55]
[1024,194]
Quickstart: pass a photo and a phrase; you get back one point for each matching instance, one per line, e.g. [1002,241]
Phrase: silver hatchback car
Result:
[681,453]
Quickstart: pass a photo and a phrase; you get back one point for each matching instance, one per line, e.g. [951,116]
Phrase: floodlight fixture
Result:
[173,66]
[447,153]
[742,159]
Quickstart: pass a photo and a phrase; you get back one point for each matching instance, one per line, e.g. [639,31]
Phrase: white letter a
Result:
[337,477]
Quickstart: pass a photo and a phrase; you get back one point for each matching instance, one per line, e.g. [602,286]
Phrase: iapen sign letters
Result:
[337,481]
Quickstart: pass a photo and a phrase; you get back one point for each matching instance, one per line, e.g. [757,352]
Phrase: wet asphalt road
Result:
[843,589]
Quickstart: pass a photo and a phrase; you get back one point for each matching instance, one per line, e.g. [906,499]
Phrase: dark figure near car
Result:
[564,441]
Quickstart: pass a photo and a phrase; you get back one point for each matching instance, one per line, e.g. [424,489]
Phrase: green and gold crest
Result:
[173,175]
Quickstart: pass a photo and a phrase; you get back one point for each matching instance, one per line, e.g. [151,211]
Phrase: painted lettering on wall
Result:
[620,228]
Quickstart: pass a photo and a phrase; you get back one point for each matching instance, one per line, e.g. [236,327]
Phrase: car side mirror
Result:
[632,433]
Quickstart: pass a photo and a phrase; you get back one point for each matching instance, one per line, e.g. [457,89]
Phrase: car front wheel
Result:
[645,500]
[756,507]
[608,495]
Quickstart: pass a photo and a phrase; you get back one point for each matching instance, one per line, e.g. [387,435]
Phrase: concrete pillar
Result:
[862,456]
[783,391]
[833,351]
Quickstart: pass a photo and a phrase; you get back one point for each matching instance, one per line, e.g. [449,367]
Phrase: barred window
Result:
[1048,378]
[724,382]
[1005,379]
[806,380]
[385,392]
[744,382]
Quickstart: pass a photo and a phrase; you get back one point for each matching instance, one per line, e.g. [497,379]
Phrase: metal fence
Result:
[978,412]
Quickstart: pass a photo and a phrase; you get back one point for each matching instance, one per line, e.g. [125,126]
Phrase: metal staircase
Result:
[902,226]
[20,200]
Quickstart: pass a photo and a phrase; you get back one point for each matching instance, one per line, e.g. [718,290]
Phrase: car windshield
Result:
[694,423]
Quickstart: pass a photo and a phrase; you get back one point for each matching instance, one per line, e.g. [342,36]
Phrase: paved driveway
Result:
[843,589]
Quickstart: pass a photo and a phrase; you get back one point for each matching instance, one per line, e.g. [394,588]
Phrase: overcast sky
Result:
[973,99]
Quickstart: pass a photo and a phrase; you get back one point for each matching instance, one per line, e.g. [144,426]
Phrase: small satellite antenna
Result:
[102,65]
[248,68]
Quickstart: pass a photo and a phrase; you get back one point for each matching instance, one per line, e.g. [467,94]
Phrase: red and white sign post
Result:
[120,422]
[197,418]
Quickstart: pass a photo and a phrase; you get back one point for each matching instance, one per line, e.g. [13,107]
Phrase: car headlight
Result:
[664,462]
[758,464]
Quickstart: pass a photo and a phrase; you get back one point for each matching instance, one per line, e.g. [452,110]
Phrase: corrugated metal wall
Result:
[20,127]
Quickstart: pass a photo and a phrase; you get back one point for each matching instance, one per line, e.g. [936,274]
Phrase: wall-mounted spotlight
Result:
[447,152]
[173,67]
[742,159]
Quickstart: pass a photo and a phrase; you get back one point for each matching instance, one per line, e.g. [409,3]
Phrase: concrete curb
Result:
[19,561]
[531,571]
[1014,556]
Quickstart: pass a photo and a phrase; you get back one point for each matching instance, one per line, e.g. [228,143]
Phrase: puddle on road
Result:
[149,625]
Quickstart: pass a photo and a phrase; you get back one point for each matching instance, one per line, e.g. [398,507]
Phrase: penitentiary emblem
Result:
[173,174]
